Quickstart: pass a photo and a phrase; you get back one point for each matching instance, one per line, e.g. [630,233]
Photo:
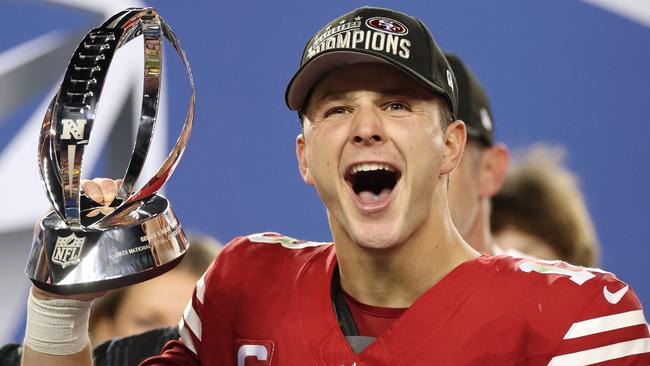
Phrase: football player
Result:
[398,286]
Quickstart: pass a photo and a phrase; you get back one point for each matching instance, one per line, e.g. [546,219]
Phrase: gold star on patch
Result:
[342,21]
[357,18]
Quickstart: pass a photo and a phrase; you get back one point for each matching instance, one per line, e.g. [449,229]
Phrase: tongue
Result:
[368,197]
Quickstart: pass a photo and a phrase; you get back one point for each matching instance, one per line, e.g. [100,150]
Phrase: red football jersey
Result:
[266,301]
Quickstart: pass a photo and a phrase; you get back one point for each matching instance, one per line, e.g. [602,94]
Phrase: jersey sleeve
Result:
[202,322]
[185,351]
[175,353]
[610,330]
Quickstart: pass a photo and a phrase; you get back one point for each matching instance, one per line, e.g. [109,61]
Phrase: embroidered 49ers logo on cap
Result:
[387,25]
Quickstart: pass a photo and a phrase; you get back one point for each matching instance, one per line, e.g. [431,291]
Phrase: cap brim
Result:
[310,73]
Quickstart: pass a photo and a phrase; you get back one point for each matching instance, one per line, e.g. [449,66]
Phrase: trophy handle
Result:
[150,26]
[62,140]
[170,163]
[74,110]
[48,170]
[153,64]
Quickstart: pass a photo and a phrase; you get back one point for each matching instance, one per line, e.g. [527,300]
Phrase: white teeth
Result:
[366,167]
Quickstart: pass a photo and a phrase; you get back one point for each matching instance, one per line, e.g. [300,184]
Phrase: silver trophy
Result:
[81,246]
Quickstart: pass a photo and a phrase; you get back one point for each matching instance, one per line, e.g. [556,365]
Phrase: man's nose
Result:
[368,128]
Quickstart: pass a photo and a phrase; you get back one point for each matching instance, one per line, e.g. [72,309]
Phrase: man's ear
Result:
[493,169]
[455,138]
[301,154]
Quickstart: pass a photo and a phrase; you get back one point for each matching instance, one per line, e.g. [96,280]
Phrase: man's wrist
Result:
[57,326]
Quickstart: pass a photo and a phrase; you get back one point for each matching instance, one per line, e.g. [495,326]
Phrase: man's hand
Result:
[101,190]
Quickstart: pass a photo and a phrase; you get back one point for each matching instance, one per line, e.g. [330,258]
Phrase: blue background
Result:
[557,71]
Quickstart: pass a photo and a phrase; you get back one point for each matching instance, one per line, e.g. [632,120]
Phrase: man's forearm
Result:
[33,358]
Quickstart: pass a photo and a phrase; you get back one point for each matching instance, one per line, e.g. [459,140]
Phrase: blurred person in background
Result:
[540,211]
[156,303]
[484,164]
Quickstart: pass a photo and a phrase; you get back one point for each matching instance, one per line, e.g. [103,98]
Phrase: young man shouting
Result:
[398,286]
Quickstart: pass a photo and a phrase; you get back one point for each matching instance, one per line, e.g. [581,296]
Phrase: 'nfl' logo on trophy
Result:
[67,250]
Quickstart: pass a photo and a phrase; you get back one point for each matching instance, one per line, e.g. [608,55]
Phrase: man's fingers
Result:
[101,190]
[109,189]
[92,190]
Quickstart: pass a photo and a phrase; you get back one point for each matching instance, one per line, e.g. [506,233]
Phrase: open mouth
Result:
[372,182]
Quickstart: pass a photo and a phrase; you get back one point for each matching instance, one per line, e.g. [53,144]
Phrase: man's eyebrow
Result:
[342,95]
[406,92]
[395,92]
[327,97]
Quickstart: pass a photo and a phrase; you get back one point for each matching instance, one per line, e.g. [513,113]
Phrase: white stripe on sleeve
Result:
[605,323]
[200,289]
[186,336]
[602,354]
[192,320]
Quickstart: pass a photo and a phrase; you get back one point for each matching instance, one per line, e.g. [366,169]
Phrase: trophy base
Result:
[139,242]
[105,285]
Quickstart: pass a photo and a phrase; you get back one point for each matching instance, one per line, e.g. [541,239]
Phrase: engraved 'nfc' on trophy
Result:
[81,246]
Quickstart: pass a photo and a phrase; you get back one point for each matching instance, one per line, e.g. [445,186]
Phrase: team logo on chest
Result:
[67,250]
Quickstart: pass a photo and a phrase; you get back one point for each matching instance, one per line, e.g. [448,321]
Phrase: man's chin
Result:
[379,232]
[376,240]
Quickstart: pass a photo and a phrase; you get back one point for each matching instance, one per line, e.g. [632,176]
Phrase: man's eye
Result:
[335,110]
[146,322]
[396,106]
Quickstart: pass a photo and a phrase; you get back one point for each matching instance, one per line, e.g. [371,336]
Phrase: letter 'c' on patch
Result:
[260,351]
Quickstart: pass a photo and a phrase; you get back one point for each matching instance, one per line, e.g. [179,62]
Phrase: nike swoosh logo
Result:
[614,298]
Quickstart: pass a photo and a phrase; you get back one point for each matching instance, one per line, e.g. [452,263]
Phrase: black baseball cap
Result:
[371,34]
[473,103]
